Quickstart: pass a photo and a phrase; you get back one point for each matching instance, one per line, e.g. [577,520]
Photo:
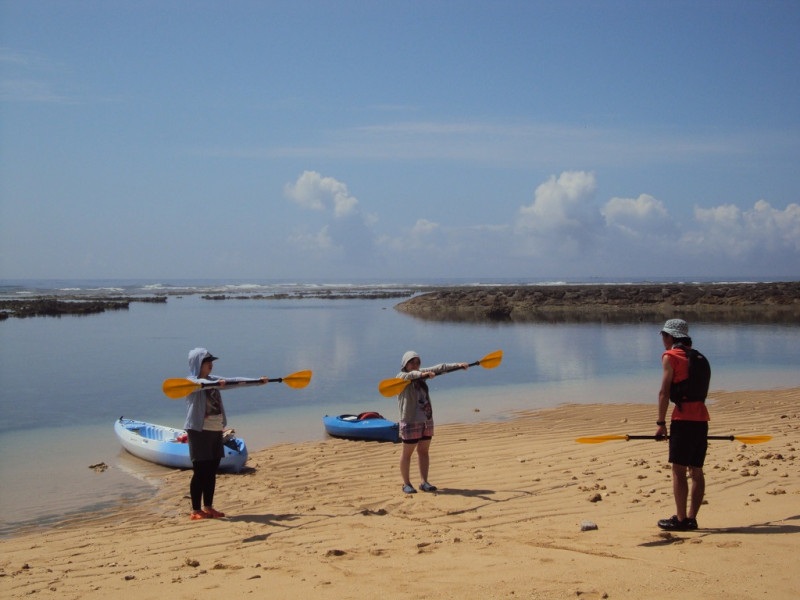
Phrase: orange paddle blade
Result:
[392,387]
[599,439]
[298,380]
[752,439]
[490,361]
[178,388]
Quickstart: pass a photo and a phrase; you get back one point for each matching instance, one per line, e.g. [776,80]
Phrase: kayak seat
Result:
[369,415]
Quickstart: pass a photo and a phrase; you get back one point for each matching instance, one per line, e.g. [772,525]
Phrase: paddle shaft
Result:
[178,388]
[745,439]
[475,364]
[730,438]
[395,386]
[392,387]
[248,382]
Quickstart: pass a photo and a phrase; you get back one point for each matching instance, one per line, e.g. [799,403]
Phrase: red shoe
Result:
[196,516]
[213,514]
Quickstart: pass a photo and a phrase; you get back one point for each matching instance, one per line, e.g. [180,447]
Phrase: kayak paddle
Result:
[392,387]
[178,388]
[745,439]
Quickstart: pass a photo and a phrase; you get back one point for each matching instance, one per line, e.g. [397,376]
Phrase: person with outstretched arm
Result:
[416,417]
[205,422]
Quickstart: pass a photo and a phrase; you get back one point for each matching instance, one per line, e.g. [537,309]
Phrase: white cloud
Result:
[561,205]
[636,216]
[424,227]
[564,232]
[318,242]
[563,221]
[423,238]
[313,191]
[347,235]
[727,229]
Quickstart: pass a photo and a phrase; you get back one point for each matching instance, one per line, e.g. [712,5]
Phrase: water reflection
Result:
[738,315]
[69,371]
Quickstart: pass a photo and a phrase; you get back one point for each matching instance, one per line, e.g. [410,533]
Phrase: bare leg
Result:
[424,459]
[698,491]
[680,489]
[405,462]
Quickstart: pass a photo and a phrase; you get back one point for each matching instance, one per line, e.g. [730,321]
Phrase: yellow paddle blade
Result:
[298,380]
[490,361]
[599,439]
[752,439]
[392,387]
[178,388]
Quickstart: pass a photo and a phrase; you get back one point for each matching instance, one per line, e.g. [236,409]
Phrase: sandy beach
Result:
[327,519]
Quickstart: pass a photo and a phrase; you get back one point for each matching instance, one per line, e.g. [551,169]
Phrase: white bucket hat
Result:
[677,328]
[407,357]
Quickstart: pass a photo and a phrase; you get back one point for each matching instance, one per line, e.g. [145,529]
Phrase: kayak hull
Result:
[159,444]
[364,428]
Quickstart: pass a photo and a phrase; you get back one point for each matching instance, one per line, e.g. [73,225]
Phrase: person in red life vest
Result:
[688,429]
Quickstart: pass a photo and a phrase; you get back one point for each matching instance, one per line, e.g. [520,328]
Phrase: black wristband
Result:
[661,423]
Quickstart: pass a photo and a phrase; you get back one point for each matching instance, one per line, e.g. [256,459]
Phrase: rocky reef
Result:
[777,302]
[57,307]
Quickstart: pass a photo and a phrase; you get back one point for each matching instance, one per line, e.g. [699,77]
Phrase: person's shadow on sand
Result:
[263,519]
[483,494]
[274,520]
[759,528]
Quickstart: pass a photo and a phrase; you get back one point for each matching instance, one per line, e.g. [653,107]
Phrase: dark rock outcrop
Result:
[56,307]
[732,302]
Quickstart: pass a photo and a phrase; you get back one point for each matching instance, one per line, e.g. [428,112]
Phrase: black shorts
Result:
[688,442]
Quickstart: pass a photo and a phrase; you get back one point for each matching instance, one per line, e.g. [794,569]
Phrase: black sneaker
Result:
[675,524]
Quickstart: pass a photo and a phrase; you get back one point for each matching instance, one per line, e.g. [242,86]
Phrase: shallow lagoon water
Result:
[67,379]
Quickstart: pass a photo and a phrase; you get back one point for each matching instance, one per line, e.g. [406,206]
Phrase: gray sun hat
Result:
[677,328]
[407,357]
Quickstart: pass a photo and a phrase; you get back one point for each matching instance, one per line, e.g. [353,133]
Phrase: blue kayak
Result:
[366,426]
[168,446]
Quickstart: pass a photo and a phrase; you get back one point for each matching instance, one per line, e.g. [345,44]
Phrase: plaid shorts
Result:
[416,430]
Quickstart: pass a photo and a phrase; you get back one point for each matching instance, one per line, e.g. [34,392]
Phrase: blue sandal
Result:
[409,489]
[427,487]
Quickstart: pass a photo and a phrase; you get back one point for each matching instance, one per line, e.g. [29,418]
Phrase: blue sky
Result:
[344,140]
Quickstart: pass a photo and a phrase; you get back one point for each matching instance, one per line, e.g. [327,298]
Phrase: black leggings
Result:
[204,481]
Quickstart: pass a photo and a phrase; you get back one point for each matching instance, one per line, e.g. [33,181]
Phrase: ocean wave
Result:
[104,288]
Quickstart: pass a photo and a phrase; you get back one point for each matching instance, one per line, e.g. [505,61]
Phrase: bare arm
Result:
[663,395]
